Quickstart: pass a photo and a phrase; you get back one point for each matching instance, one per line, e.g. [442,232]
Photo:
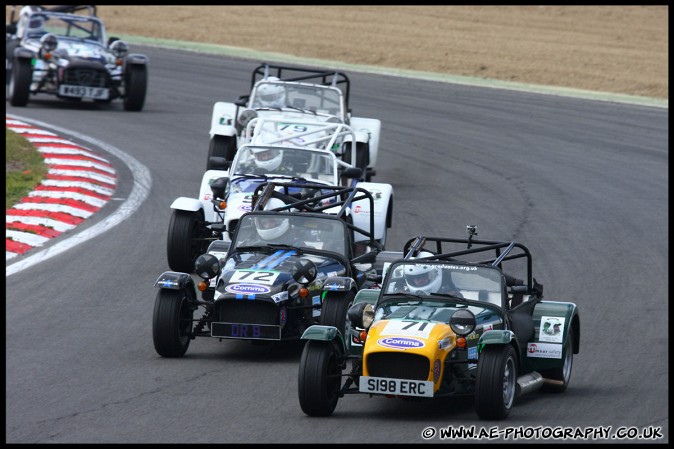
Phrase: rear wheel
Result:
[496,381]
[172,322]
[319,378]
[560,377]
[221,146]
[135,87]
[334,309]
[186,240]
[19,83]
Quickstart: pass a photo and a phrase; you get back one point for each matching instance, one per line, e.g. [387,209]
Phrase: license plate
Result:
[246,331]
[97,93]
[402,387]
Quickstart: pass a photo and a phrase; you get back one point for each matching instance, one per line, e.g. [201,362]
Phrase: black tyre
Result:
[172,322]
[560,377]
[186,240]
[9,57]
[334,309]
[362,157]
[135,87]
[496,382]
[20,81]
[319,378]
[221,146]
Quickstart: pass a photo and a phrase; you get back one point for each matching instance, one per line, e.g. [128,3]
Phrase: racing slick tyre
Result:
[334,309]
[186,240]
[135,82]
[319,378]
[362,158]
[557,380]
[19,83]
[496,381]
[221,146]
[172,322]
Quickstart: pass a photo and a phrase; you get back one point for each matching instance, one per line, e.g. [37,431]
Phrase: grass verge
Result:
[24,167]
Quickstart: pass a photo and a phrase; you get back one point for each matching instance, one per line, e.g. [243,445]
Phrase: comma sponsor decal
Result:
[247,289]
[544,350]
[400,343]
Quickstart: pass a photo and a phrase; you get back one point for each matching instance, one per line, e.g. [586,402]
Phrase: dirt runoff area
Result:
[617,49]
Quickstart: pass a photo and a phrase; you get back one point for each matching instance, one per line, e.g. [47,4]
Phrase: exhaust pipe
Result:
[529,382]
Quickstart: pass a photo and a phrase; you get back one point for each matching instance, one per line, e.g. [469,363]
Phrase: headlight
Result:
[49,42]
[119,49]
[361,315]
[207,266]
[368,316]
[462,322]
[304,271]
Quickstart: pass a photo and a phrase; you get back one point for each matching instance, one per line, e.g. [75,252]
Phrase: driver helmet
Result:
[267,158]
[271,227]
[271,95]
[423,278]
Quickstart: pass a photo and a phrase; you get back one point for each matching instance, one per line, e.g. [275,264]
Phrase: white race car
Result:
[227,190]
[57,51]
[315,97]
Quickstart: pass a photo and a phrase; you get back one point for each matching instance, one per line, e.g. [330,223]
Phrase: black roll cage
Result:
[503,251]
[315,76]
[317,202]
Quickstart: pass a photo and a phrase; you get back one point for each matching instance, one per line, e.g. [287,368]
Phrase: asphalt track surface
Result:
[582,183]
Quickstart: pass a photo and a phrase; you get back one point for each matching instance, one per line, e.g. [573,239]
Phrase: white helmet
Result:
[271,95]
[423,278]
[267,158]
[271,227]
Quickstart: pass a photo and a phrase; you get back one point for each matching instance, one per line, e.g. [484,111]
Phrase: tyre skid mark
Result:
[78,184]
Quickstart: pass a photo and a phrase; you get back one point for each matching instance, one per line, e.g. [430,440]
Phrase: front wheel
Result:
[319,378]
[135,87]
[221,146]
[172,322]
[20,81]
[496,381]
[186,240]
[334,309]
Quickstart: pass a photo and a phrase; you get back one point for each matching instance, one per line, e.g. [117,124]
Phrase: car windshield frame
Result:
[313,98]
[316,232]
[67,26]
[459,282]
[304,163]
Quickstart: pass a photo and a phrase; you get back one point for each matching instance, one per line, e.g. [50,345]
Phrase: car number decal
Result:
[403,387]
[406,328]
[254,276]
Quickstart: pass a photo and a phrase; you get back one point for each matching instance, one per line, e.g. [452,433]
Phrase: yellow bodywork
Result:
[432,340]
